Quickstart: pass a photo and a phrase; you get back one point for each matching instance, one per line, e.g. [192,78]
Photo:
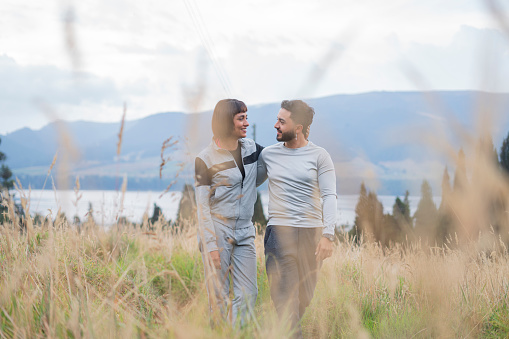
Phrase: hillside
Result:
[378,137]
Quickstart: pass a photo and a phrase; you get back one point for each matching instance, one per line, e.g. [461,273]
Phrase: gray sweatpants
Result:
[292,270]
[238,263]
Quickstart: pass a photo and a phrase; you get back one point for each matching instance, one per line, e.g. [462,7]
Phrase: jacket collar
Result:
[216,148]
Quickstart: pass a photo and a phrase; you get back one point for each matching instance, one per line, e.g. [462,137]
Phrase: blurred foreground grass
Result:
[148,282]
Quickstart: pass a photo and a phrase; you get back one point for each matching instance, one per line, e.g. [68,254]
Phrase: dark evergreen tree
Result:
[398,209]
[401,209]
[444,211]
[360,212]
[369,217]
[156,214]
[362,205]
[426,215]
[258,217]
[391,231]
[446,188]
[5,173]
[187,206]
[491,207]
[375,218]
[460,176]
[3,157]
[5,184]
[504,155]
[406,202]
[402,218]
[77,222]
[3,209]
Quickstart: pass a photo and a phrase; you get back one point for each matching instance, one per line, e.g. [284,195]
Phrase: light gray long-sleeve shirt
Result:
[298,178]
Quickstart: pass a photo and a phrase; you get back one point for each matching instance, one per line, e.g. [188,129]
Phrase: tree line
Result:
[5,173]
[476,203]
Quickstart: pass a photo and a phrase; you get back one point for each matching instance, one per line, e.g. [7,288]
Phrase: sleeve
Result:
[206,231]
[261,169]
[327,185]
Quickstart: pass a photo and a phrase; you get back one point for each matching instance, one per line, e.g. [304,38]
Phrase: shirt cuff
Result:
[329,230]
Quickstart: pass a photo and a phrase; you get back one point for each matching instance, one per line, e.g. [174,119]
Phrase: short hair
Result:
[301,113]
[222,118]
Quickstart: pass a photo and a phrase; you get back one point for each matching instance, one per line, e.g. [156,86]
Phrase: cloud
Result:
[72,95]
[24,83]
[472,55]
[153,54]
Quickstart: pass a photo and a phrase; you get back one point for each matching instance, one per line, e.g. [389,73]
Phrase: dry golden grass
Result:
[61,280]
[147,281]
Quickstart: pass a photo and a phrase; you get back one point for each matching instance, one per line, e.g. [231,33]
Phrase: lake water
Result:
[107,205]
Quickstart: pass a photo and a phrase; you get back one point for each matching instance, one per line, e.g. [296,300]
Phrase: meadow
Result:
[61,280]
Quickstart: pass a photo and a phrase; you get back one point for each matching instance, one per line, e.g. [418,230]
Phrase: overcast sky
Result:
[82,60]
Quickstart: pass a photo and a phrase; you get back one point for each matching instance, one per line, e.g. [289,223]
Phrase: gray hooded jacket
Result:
[223,198]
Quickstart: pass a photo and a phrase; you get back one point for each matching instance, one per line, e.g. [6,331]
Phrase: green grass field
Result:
[124,283]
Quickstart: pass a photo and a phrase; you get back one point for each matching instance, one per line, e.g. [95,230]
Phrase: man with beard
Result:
[302,211]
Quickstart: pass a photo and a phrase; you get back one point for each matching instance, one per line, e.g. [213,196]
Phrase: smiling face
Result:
[240,124]
[228,119]
[285,126]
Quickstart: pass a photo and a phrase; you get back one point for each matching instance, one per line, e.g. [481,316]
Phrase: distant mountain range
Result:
[383,138]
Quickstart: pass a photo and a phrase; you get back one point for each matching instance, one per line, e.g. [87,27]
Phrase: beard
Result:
[286,136]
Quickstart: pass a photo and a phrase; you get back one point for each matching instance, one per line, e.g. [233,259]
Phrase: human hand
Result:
[324,249]
[216,259]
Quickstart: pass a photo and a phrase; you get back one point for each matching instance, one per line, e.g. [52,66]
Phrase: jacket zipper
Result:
[241,184]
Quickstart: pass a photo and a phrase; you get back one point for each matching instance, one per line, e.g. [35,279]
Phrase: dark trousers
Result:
[292,270]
